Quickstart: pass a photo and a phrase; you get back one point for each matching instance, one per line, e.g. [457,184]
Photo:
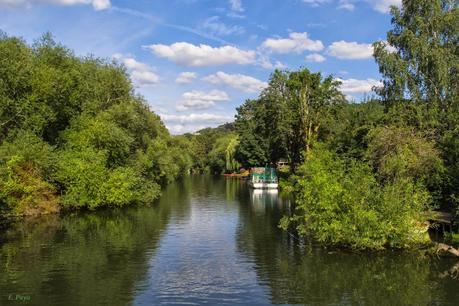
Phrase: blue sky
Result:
[195,61]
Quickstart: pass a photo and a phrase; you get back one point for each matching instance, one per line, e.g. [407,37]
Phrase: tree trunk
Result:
[447,250]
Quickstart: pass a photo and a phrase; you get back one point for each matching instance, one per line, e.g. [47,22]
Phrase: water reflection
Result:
[81,259]
[298,272]
[207,240]
[197,261]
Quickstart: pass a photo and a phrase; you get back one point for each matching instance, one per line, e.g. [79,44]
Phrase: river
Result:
[207,240]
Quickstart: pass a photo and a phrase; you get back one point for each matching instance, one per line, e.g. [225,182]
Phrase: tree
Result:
[253,142]
[420,68]
[74,126]
[402,153]
[340,202]
[420,60]
[311,97]
[286,119]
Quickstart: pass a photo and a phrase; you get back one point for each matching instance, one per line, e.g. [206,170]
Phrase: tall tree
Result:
[285,120]
[311,97]
[420,68]
[420,60]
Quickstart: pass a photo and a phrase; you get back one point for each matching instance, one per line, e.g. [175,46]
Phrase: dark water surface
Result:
[206,241]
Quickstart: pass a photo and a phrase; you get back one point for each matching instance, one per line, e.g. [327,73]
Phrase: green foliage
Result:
[230,154]
[26,162]
[250,125]
[340,202]
[287,117]
[449,145]
[222,155]
[425,64]
[82,174]
[89,183]
[348,125]
[402,153]
[409,140]
[75,127]
[214,149]
[28,147]
[125,186]
[23,190]
[102,134]
[421,82]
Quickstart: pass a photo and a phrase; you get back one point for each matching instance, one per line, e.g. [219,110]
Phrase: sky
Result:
[195,61]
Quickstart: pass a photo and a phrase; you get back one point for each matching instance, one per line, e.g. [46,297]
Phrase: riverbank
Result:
[85,140]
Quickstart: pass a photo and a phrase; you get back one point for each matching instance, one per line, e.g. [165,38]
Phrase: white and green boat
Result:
[263,178]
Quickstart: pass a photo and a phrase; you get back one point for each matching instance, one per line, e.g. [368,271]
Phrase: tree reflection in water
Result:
[219,241]
[299,272]
[93,258]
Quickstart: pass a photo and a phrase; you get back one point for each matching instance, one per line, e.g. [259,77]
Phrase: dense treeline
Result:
[214,149]
[74,134]
[365,175]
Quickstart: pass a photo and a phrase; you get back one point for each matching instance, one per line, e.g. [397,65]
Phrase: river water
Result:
[207,240]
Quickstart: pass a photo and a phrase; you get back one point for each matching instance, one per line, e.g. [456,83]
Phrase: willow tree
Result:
[230,157]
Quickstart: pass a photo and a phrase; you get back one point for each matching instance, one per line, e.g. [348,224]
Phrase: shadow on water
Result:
[207,240]
[93,258]
[298,272]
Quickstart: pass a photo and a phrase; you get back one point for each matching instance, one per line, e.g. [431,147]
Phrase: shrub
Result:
[26,164]
[340,202]
[402,153]
[124,186]
[88,183]
[81,175]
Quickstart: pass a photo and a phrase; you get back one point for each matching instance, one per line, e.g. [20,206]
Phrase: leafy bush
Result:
[81,175]
[26,164]
[340,202]
[124,186]
[400,152]
[88,183]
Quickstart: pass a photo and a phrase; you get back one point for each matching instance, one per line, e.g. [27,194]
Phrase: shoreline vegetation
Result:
[75,135]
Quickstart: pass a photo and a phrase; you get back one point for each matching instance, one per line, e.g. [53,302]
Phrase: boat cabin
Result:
[263,178]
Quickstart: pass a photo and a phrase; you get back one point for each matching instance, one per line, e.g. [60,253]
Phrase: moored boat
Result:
[263,178]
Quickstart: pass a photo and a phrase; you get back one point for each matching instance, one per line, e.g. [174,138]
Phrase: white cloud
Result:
[141,74]
[196,99]
[350,50]
[235,15]
[383,6]
[315,57]
[144,78]
[236,5]
[101,4]
[238,81]
[218,28]
[352,86]
[265,62]
[195,118]
[97,4]
[346,5]
[187,54]
[316,3]
[178,124]
[186,77]
[389,48]
[297,42]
